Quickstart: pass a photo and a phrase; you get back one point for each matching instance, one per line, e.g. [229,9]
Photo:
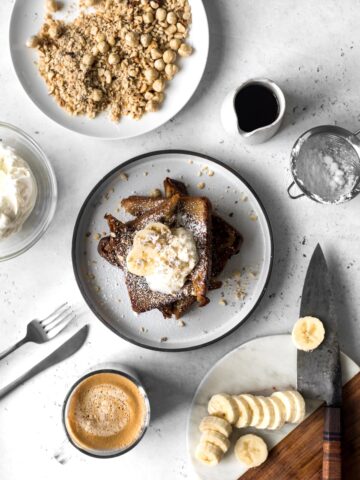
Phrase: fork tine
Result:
[59,319]
[60,326]
[50,318]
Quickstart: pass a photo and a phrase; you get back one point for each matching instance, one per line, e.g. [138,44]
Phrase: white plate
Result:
[257,367]
[203,325]
[26,20]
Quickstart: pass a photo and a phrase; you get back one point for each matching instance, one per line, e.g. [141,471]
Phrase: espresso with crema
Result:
[105,412]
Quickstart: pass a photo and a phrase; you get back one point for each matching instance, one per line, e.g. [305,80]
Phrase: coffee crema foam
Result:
[106,411]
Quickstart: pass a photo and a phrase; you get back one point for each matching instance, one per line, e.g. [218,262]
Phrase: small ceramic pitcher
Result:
[229,118]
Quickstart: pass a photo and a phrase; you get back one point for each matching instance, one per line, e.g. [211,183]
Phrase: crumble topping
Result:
[118,56]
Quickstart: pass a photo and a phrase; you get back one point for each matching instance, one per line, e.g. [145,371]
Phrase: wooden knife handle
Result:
[332,444]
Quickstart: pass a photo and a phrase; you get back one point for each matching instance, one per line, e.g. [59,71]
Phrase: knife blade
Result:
[71,346]
[319,371]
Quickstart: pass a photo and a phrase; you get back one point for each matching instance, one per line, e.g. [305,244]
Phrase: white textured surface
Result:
[312,50]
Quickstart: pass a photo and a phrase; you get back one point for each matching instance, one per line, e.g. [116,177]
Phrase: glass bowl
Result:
[45,205]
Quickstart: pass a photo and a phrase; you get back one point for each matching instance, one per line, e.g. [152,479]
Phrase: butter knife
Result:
[71,346]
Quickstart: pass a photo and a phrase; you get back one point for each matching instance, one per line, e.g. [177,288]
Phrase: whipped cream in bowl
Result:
[18,191]
[28,192]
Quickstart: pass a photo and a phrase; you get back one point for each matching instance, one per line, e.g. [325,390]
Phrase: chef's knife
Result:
[71,346]
[319,371]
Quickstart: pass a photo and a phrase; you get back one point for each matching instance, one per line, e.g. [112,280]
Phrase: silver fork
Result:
[41,331]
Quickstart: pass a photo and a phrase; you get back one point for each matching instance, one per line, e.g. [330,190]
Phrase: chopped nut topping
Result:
[201,185]
[112,49]
[156,193]
[123,176]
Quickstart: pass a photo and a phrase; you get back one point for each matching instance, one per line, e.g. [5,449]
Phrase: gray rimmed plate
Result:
[245,276]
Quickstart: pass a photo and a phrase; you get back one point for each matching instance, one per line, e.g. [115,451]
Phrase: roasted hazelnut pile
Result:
[118,55]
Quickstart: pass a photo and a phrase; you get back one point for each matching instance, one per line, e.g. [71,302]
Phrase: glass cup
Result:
[65,452]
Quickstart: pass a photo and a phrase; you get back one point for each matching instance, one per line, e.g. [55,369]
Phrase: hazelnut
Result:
[161,14]
[171,18]
[103,47]
[52,5]
[145,39]
[159,85]
[151,106]
[171,70]
[155,53]
[169,56]
[175,44]
[132,39]
[159,64]
[148,17]
[32,42]
[114,59]
[100,37]
[185,50]
[151,75]
[88,59]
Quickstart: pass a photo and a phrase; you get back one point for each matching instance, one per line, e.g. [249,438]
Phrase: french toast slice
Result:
[226,240]
[192,213]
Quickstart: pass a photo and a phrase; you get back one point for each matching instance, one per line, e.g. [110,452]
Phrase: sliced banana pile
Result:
[248,410]
[214,441]
[242,411]
[308,333]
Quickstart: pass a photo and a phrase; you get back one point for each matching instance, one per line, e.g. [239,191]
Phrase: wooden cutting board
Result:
[299,455]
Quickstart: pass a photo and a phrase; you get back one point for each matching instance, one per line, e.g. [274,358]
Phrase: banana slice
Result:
[308,333]
[279,414]
[224,406]
[299,406]
[256,409]
[245,413]
[292,405]
[251,450]
[217,424]
[208,454]
[152,233]
[140,261]
[268,413]
[216,438]
[288,402]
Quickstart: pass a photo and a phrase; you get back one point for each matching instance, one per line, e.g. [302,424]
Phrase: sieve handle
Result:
[357,133]
[294,197]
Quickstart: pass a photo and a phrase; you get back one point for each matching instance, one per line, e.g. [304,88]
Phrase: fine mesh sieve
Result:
[325,164]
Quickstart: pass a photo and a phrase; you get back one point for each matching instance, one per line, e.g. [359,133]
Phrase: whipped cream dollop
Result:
[18,191]
[164,256]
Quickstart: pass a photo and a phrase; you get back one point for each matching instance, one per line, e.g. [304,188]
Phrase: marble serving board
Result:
[260,366]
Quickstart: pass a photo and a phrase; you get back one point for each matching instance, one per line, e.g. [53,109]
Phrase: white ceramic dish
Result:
[26,19]
[229,117]
[106,293]
[39,219]
[257,367]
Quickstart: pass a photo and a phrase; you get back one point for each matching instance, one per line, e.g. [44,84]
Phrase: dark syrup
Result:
[256,106]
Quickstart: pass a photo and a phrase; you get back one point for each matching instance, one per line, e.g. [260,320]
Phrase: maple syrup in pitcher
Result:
[256,106]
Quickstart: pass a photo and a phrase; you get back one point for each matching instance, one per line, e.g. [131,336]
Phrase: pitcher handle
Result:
[294,197]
